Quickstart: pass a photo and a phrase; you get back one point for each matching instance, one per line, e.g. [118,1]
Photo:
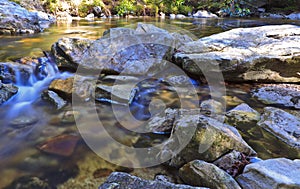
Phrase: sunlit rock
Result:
[287,95]
[195,136]
[282,125]
[271,173]
[51,96]
[241,115]
[261,54]
[201,173]
[204,14]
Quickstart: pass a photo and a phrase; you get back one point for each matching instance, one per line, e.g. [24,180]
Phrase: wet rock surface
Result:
[282,125]
[7,91]
[23,121]
[272,173]
[119,180]
[287,95]
[28,182]
[264,54]
[200,173]
[17,20]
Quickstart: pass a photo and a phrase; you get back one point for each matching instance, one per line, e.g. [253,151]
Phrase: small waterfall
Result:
[21,116]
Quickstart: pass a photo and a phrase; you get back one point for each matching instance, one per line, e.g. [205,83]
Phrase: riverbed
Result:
[19,154]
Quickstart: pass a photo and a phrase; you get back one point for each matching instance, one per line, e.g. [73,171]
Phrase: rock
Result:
[212,107]
[242,114]
[204,14]
[97,11]
[282,125]
[200,173]
[119,180]
[53,97]
[23,121]
[294,16]
[232,163]
[7,91]
[68,51]
[273,16]
[196,136]
[163,123]
[271,173]
[64,16]
[281,94]
[16,19]
[28,182]
[172,16]
[63,145]
[263,54]
[90,16]
[81,87]
[123,51]
[104,172]
[118,92]
[180,16]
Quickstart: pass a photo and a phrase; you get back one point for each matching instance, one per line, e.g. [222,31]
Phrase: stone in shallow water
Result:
[271,173]
[242,114]
[23,121]
[63,145]
[201,173]
[119,180]
[28,182]
[53,97]
[282,125]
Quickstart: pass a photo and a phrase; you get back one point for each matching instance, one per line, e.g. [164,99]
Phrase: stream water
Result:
[19,155]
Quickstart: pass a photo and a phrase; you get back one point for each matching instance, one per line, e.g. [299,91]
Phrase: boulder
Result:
[12,72]
[16,19]
[282,125]
[287,95]
[260,54]
[204,14]
[7,91]
[121,50]
[196,136]
[119,180]
[241,115]
[271,173]
[200,173]
[68,52]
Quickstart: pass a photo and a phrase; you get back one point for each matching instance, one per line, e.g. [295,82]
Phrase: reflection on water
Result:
[27,121]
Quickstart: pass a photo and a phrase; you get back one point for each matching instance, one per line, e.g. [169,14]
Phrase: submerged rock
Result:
[23,121]
[119,180]
[264,54]
[241,115]
[196,136]
[282,125]
[16,19]
[63,145]
[7,91]
[120,50]
[29,182]
[200,173]
[281,94]
[271,173]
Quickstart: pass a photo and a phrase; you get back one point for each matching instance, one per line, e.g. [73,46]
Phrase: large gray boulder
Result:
[271,173]
[201,173]
[119,180]
[135,52]
[7,91]
[195,136]
[15,19]
[282,125]
[263,54]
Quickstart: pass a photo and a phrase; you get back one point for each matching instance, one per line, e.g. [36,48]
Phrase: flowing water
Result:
[27,121]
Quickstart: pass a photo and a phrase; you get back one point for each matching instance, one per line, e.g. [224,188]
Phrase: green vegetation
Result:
[235,8]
